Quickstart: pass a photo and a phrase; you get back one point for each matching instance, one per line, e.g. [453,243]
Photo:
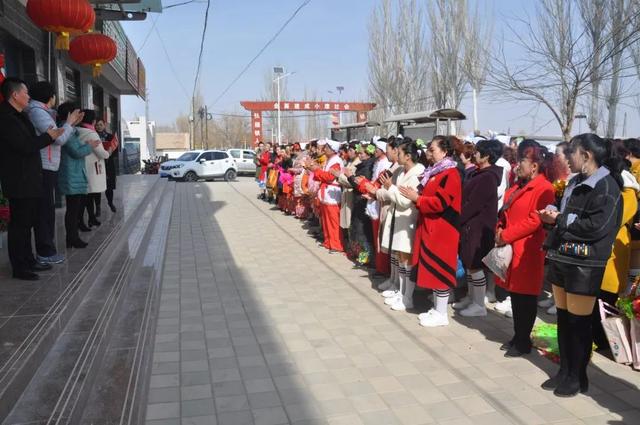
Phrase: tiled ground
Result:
[260,326]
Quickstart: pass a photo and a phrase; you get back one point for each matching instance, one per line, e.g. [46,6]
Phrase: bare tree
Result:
[557,60]
[447,23]
[618,10]
[595,17]
[477,56]
[398,59]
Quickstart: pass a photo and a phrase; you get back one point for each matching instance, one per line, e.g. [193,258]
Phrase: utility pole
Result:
[206,126]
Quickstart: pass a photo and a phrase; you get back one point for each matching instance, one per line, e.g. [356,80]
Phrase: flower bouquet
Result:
[629,306]
[545,338]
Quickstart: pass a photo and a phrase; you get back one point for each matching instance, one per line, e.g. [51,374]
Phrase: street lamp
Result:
[580,117]
[279,72]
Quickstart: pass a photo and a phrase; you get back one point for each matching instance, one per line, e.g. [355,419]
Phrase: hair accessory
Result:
[371,149]
[420,143]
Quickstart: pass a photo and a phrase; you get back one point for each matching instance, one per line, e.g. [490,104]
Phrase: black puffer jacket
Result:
[591,211]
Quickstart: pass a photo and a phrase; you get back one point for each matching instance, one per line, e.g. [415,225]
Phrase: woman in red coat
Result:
[435,250]
[520,226]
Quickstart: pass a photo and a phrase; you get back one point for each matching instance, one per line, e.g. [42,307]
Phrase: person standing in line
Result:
[72,181]
[21,175]
[578,248]
[435,253]
[329,195]
[42,114]
[400,225]
[478,224]
[109,141]
[346,203]
[520,226]
[94,166]
[374,207]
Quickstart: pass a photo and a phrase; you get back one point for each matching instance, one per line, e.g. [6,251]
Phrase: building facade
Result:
[30,55]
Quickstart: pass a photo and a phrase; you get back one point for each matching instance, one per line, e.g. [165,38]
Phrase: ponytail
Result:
[603,152]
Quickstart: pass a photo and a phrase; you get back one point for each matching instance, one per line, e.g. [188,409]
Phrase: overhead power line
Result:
[271,40]
[204,34]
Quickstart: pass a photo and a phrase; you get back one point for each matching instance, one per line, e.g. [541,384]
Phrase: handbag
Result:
[498,260]
[616,327]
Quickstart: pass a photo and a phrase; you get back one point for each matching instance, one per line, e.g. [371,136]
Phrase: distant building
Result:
[139,140]
[171,145]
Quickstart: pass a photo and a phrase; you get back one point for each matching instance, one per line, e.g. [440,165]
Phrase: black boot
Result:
[579,338]
[551,383]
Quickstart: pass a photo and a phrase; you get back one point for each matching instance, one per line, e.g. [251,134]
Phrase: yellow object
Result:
[617,270]
[62,40]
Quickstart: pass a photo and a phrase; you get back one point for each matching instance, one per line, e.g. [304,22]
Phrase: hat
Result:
[503,138]
[381,145]
[322,142]
[335,146]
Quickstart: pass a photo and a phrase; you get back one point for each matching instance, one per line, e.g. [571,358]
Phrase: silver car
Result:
[244,160]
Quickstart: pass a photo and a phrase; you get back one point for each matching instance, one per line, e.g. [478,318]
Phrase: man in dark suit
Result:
[21,175]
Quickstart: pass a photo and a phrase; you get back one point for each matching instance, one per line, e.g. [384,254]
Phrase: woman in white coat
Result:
[398,233]
[94,166]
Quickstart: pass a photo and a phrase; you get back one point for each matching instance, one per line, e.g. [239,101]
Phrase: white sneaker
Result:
[504,306]
[390,293]
[546,303]
[474,310]
[552,310]
[387,284]
[432,319]
[462,304]
[400,306]
[509,314]
[490,297]
[393,300]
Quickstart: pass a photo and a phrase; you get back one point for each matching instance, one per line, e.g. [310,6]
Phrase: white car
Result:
[195,165]
[245,160]
[165,168]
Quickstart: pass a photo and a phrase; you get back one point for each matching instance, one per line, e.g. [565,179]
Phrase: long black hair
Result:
[603,152]
[411,148]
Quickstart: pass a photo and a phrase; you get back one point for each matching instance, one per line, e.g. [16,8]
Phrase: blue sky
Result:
[326,45]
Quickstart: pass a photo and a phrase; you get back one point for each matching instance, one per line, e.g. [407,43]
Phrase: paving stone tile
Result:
[163,411]
[195,392]
[270,416]
[163,395]
[201,407]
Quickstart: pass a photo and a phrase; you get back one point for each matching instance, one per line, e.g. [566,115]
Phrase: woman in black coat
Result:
[360,230]
[478,218]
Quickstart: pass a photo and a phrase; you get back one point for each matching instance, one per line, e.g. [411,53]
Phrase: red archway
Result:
[256,108]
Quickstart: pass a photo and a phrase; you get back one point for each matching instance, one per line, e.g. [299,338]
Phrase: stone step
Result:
[72,343]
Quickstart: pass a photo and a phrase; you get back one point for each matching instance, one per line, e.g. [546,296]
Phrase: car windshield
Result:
[188,156]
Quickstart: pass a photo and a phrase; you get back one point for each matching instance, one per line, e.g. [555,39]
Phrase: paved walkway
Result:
[259,326]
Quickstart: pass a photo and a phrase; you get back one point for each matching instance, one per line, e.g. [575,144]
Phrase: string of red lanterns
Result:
[69,18]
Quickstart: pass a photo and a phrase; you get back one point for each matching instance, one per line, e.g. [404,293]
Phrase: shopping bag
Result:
[498,260]
[635,342]
[616,327]
[544,337]
[460,271]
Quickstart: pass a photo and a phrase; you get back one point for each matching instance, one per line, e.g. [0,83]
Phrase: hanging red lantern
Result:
[64,17]
[93,49]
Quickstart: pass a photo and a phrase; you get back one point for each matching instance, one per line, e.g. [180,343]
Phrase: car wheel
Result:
[190,177]
[230,175]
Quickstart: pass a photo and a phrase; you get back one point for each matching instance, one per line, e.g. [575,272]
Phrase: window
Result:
[220,155]
[248,154]
[235,153]
[207,156]
[188,156]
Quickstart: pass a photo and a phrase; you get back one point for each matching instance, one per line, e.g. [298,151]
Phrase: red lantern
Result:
[93,49]
[64,17]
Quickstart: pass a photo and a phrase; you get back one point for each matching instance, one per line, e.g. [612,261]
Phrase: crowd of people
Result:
[427,214]
[44,149]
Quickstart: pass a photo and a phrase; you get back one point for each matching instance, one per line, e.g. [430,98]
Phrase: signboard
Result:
[305,105]
[256,127]
[132,66]
[142,80]
[119,63]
